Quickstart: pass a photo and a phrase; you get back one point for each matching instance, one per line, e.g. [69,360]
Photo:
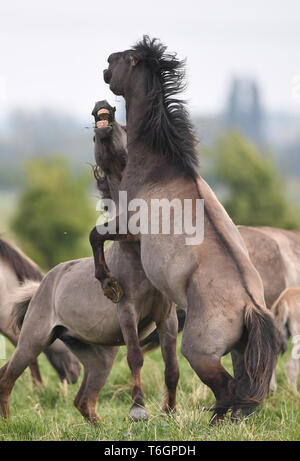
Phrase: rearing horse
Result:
[69,304]
[215,282]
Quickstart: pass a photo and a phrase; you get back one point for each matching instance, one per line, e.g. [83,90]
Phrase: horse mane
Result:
[23,267]
[166,125]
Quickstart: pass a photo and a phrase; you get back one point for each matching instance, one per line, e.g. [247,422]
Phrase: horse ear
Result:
[133,60]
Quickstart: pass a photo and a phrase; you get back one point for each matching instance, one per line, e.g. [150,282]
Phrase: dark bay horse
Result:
[215,282]
[16,269]
[69,304]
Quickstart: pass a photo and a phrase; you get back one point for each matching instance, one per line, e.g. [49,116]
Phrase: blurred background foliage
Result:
[251,187]
[55,208]
[250,158]
[54,212]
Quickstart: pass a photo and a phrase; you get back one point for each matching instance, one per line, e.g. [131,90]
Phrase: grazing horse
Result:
[215,282]
[286,310]
[69,304]
[17,270]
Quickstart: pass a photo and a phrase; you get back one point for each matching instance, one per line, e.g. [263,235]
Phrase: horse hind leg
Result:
[206,338]
[36,334]
[207,365]
[34,366]
[97,362]
[135,360]
[27,351]
[168,331]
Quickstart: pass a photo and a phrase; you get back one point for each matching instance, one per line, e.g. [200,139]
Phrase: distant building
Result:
[120,110]
[244,109]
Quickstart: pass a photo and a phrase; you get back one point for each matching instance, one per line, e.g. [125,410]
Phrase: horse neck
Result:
[110,162]
[141,158]
[136,101]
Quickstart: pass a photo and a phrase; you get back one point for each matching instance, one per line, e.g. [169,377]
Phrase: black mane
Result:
[22,266]
[166,126]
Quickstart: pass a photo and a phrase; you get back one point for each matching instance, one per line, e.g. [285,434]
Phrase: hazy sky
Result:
[53,52]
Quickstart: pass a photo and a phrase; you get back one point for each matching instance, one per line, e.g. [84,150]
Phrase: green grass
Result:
[48,413]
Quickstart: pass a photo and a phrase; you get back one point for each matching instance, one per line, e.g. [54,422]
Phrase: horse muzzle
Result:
[107,75]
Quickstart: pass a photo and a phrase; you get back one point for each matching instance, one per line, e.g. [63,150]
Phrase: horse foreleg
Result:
[292,369]
[98,237]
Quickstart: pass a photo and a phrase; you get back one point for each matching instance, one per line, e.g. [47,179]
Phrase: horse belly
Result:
[168,264]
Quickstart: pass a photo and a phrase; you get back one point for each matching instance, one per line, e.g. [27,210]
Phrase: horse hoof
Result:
[216,419]
[240,414]
[169,410]
[94,420]
[112,290]
[236,415]
[138,414]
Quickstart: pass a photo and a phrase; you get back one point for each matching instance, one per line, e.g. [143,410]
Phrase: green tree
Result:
[254,190]
[54,214]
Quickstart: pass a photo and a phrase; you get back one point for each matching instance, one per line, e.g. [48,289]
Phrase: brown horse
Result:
[69,304]
[15,270]
[215,282]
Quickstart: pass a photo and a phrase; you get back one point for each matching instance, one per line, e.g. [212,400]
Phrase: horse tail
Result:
[20,300]
[261,352]
[151,342]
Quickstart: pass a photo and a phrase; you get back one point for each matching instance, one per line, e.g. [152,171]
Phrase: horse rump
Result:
[20,300]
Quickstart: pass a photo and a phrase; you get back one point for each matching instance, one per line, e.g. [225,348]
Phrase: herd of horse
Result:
[236,291]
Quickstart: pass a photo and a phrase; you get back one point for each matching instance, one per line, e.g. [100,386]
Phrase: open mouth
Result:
[103,118]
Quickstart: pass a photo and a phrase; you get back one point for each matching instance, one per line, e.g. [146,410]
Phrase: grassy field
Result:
[48,413]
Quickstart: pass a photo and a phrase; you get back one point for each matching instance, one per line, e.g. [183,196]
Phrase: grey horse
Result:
[69,304]
[16,269]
